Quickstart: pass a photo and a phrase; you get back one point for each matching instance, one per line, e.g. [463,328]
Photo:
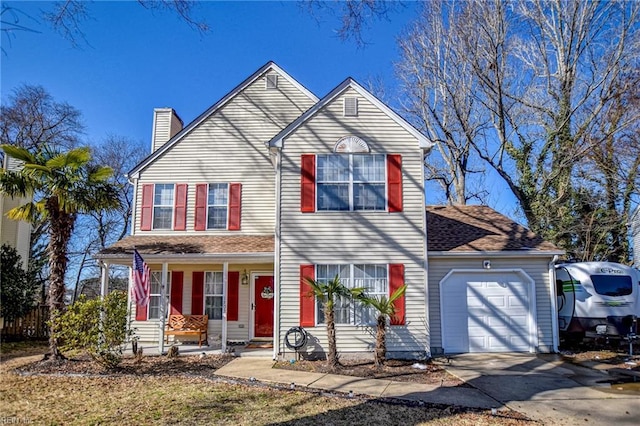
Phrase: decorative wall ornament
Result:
[351,144]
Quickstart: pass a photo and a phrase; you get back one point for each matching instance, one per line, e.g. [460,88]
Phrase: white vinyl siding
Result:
[354,237]
[536,268]
[229,147]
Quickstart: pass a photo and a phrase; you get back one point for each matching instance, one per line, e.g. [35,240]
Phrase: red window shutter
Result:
[200,223]
[308,183]
[181,207]
[307,300]
[394,182]
[233,290]
[177,285]
[197,293]
[396,280]
[235,210]
[146,215]
[141,312]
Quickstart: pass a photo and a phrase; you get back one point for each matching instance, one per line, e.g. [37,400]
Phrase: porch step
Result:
[260,344]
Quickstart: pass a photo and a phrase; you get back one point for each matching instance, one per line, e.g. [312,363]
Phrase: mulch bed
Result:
[204,366]
[428,372]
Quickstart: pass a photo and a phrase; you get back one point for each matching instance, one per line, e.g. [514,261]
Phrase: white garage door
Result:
[487,311]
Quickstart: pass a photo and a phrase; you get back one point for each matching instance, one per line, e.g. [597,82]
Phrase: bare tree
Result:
[438,88]
[355,15]
[68,17]
[100,228]
[532,87]
[30,118]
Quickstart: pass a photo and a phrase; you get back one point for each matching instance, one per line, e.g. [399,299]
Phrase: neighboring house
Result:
[15,233]
[272,185]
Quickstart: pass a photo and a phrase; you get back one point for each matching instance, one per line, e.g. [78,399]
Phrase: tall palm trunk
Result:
[332,357]
[60,228]
[381,341]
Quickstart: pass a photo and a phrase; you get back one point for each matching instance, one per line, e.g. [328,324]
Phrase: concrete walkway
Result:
[544,389]
[261,369]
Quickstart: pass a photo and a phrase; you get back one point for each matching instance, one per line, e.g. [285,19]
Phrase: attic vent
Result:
[272,81]
[350,107]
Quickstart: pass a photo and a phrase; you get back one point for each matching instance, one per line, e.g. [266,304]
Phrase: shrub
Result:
[96,327]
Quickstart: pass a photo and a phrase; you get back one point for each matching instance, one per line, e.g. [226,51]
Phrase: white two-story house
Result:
[272,185]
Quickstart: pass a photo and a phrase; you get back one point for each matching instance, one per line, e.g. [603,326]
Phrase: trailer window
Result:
[612,285]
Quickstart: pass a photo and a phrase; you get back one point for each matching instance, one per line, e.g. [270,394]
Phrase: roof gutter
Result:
[510,253]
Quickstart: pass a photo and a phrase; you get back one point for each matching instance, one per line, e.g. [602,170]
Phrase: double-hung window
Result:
[351,182]
[163,204]
[373,278]
[213,295]
[217,206]
[155,294]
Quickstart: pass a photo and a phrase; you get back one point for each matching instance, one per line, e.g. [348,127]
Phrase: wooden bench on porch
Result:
[186,325]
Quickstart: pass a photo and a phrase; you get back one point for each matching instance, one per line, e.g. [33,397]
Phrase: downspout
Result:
[554,304]
[225,291]
[276,262]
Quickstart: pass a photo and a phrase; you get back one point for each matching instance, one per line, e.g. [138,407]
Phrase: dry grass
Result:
[178,399]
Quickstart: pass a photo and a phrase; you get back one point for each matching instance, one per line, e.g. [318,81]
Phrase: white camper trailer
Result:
[597,299]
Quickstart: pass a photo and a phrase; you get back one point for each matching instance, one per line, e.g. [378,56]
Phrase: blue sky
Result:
[138,59]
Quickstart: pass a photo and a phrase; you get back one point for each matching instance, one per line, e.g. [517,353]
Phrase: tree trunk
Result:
[381,341]
[332,356]
[60,228]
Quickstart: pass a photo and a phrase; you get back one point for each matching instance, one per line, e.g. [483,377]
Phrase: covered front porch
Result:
[227,278]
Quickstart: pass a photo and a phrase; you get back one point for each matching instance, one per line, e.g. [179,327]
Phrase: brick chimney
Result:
[166,124]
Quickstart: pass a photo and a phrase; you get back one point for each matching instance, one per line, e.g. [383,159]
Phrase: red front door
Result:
[263,293]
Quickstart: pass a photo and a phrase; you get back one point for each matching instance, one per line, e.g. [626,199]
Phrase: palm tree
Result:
[386,309]
[328,293]
[60,185]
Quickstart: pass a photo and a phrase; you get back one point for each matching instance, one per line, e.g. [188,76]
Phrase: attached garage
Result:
[491,283]
[488,311]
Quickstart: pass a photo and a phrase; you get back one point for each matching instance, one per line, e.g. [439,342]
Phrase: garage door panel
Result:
[486,314]
[498,301]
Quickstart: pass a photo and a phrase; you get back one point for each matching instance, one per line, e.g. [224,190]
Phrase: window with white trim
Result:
[163,205]
[373,278]
[351,182]
[155,293]
[217,206]
[213,294]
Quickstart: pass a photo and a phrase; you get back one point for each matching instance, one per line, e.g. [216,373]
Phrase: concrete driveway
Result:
[549,390]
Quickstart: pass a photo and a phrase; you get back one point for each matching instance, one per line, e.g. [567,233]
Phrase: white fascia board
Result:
[135,172]
[423,141]
[513,253]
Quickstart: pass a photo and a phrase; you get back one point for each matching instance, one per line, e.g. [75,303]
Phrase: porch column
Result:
[104,280]
[163,305]
[225,289]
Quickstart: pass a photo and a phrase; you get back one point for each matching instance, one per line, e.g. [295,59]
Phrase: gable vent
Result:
[272,81]
[350,107]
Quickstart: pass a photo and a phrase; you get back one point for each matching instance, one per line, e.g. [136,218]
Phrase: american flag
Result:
[140,290]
